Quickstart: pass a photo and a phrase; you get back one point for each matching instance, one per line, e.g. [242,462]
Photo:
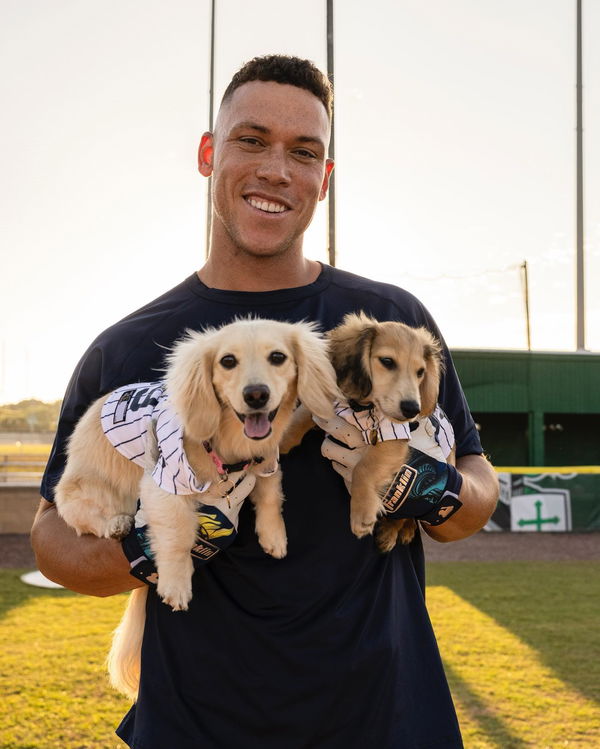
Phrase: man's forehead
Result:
[267,105]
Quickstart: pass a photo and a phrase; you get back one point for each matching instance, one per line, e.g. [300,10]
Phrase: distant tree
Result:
[29,416]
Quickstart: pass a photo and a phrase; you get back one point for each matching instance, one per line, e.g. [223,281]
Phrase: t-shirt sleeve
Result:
[84,388]
[451,397]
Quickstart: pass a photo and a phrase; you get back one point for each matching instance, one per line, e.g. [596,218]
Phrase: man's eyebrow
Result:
[311,139]
[251,125]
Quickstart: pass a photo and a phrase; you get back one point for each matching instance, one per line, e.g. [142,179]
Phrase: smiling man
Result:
[330,647]
[269,168]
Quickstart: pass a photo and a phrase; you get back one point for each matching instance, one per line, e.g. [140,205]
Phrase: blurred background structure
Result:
[456,155]
[467,147]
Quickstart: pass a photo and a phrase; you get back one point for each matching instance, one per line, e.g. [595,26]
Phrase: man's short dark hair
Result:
[284,69]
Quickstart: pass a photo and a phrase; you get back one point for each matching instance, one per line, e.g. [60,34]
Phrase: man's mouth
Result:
[267,206]
[257,425]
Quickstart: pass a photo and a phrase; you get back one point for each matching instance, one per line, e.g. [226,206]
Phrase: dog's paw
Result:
[175,581]
[362,525]
[386,537]
[118,526]
[176,596]
[364,511]
[407,531]
[274,544]
[389,532]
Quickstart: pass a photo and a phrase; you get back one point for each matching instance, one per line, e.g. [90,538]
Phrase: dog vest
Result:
[127,417]
[433,435]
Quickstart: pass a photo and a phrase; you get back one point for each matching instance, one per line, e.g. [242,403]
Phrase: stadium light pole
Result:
[331,192]
[580,272]
[211,83]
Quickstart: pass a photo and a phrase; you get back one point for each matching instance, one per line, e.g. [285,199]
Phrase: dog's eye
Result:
[420,372]
[277,357]
[387,362]
[228,361]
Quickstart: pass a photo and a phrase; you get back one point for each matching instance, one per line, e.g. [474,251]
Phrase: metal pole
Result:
[331,198]
[211,83]
[526,295]
[580,257]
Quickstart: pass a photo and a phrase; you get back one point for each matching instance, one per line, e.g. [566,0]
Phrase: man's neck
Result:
[248,273]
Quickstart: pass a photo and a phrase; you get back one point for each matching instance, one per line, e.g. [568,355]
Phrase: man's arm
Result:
[85,564]
[478,494]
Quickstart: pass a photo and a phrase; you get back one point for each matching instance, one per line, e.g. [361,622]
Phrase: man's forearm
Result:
[85,564]
[478,494]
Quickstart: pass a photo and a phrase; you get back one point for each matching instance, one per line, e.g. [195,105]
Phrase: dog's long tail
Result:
[125,653]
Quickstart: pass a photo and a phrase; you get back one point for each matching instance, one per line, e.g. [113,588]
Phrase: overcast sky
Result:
[455,150]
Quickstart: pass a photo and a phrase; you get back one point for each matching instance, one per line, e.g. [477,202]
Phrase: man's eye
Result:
[228,361]
[387,362]
[250,141]
[277,358]
[303,153]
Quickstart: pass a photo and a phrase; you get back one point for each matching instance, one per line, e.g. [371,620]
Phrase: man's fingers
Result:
[346,456]
[228,496]
[345,473]
[341,430]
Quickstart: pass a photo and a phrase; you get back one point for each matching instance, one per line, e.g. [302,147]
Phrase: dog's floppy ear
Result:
[434,366]
[189,385]
[317,389]
[351,343]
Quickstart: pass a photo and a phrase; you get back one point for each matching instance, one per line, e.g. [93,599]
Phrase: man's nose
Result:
[274,166]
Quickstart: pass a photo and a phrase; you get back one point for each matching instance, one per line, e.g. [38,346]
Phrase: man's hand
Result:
[478,492]
[343,446]
[217,526]
[425,487]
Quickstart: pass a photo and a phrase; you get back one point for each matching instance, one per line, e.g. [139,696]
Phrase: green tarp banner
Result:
[565,498]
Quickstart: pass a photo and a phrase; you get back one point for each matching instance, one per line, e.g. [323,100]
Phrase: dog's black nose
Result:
[409,409]
[256,396]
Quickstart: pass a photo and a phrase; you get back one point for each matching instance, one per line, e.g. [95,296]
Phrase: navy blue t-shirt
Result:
[328,648]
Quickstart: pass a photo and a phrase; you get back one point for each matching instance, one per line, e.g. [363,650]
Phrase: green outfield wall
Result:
[534,408]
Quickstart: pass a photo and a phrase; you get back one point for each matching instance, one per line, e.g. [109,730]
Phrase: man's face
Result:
[269,167]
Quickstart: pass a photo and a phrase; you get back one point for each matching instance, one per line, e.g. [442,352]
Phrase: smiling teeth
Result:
[262,205]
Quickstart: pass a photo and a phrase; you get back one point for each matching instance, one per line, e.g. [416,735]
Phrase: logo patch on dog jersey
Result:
[120,414]
[126,417]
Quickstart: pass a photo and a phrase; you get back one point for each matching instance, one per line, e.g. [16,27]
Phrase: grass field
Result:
[41,451]
[520,643]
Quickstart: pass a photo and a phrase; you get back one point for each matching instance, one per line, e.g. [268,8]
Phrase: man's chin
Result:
[264,250]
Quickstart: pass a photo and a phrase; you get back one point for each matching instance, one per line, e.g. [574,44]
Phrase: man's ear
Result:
[328,169]
[205,155]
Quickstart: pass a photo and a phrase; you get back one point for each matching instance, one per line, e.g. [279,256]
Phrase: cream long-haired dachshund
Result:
[233,391]
[389,374]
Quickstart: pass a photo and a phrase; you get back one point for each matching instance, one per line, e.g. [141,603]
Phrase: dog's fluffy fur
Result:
[206,378]
[396,368]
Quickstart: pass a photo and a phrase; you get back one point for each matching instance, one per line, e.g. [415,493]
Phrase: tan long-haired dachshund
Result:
[392,372]
[233,389]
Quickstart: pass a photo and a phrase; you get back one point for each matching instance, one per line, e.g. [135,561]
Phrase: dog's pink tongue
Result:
[257,426]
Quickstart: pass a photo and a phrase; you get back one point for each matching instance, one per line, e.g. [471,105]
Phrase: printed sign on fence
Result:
[541,512]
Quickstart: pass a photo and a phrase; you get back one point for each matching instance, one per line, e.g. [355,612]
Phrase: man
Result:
[332,646]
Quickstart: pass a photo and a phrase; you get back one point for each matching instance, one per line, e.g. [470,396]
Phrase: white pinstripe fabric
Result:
[126,417]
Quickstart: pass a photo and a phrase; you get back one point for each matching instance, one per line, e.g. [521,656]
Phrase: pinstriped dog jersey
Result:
[126,418]
[433,435]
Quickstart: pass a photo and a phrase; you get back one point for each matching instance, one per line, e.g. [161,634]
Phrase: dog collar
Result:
[356,406]
[223,469]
